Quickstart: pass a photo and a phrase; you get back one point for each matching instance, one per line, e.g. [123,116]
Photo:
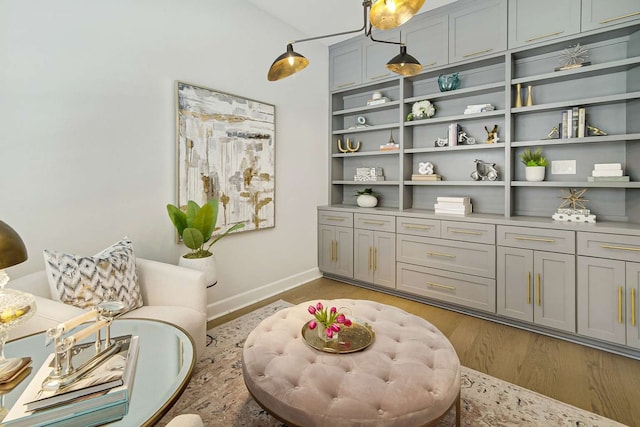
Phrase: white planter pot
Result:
[367,201]
[207,265]
[534,173]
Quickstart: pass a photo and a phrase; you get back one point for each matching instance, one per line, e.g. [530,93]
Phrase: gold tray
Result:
[354,338]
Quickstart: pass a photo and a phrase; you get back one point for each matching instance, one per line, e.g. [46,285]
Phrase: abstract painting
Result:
[225,148]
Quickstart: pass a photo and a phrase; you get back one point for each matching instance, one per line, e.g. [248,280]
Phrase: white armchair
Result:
[170,293]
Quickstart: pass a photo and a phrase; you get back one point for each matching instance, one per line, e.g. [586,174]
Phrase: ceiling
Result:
[316,18]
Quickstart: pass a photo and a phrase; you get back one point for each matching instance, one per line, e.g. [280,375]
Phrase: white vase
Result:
[534,173]
[206,265]
[322,334]
[367,201]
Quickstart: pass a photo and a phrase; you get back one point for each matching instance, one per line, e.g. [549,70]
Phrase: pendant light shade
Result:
[287,64]
[387,14]
[12,249]
[404,63]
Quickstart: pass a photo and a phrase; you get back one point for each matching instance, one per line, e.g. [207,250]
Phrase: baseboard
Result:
[236,302]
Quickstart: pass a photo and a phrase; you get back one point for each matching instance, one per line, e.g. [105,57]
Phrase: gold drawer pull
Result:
[633,306]
[620,17]
[441,254]
[619,304]
[346,84]
[369,257]
[477,53]
[373,222]
[419,227]
[528,287]
[438,285]
[375,259]
[380,76]
[538,288]
[430,65]
[535,239]
[475,233]
[334,218]
[622,248]
[543,36]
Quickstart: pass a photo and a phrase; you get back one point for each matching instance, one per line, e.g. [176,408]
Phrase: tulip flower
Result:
[313,324]
[312,309]
[319,306]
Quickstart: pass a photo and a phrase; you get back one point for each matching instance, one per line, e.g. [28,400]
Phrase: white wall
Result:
[87,143]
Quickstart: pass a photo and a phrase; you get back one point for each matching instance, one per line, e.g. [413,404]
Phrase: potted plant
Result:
[367,198]
[195,225]
[535,164]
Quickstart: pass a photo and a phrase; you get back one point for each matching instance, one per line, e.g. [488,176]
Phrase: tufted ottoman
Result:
[409,376]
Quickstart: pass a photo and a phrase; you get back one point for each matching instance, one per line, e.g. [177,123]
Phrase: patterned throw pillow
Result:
[85,281]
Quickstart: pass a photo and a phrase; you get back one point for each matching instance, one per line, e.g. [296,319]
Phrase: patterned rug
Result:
[217,392]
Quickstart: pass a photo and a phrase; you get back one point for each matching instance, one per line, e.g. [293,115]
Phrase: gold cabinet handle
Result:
[622,248]
[619,304]
[375,259]
[369,257]
[438,285]
[535,239]
[528,287]
[620,17]
[373,222]
[440,254]
[335,252]
[430,65]
[543,36]
[633,306]
[418,227]
[334,218]
[331,251]
[477,53]
[474,233]
[379,76]
[346,84]
[538,288]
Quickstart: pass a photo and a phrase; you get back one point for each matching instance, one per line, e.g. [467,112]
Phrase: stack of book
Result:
[99,397]
[428,177]
[369,174]
[478,108]
[607,172]
[573,123]
[453,205]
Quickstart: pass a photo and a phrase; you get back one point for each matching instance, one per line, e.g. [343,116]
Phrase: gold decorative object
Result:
[492,135]
[573,57]
[573,198]
[352,149]
[340,148]
[594,131]
[554,133]
[518,95]
[354,338]
[529,96]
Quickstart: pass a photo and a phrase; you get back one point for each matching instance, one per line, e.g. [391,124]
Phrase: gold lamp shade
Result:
[404,64]
[287,64]
[12,249]
[388,14]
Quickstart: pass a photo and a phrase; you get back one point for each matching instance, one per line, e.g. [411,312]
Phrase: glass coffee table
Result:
[165,362]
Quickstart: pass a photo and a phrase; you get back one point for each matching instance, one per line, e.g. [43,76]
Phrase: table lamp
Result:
[15,306]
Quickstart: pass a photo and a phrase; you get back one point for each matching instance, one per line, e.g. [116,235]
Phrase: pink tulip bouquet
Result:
[329,318]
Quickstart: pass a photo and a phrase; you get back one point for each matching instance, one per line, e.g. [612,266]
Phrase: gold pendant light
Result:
[404,64]
[388,14]
[287,64]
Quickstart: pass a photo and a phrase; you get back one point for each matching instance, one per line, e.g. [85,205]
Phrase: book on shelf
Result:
[111,383]
[563,125]
[453,199]
[582,122]
[453,134]
[607,166]
[431,177]
[574,122]
[453,211]
[452,206]
[378,101]
[624,178]
[601,173]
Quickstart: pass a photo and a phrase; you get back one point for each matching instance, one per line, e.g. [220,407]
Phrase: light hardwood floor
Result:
[598,381]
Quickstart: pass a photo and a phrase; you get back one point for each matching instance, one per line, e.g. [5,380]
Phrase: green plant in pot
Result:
[367,198]
[535,164]
[196,225]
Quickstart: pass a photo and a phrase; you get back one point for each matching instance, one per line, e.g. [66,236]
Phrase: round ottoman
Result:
[409,376]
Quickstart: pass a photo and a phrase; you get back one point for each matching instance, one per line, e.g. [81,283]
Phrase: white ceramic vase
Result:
[534,173]
[206,265]
[367,201]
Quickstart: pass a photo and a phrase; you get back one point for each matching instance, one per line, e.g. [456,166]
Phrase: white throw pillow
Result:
[85,281]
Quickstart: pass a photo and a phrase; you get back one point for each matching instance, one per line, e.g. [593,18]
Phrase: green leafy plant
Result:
[196,224]
[533,158]
[367,191]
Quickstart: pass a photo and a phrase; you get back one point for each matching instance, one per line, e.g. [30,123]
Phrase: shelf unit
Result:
[609,89]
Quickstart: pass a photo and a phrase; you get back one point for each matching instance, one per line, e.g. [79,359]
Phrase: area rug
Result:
[217,392]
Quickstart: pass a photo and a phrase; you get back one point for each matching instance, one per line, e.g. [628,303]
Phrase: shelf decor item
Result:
[492,135]
[518,95]
[328,321]
[573,57]
[447,83]
[422,110]
[529,96]
[573,207]
[485,171]
[367,198]
[535,164]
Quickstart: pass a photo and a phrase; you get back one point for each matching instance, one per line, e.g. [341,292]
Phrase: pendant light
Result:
[388,14]
[404,64]
[287,64]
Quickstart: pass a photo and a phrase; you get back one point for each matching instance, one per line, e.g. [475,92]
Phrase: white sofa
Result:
[170,293]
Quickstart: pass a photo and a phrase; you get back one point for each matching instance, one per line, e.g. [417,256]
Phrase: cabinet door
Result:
[427,40]
[477,31]
[326,236]
[555,290]
[345,65]
[344,251]
[600,300]
[384,259]
[376,55]
[363,255]
[515,283]
[531,22]
[633,298]
[600,13]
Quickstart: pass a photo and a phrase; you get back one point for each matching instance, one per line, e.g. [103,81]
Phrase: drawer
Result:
[418,226]
[537,238]
[344,219]
[624,248]
[468,232]
[469,291]
[375,222]
[462,257]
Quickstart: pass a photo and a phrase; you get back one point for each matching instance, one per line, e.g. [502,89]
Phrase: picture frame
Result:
[225,149]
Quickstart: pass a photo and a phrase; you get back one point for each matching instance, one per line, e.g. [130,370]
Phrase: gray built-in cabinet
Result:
[495,46]
[335,243]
